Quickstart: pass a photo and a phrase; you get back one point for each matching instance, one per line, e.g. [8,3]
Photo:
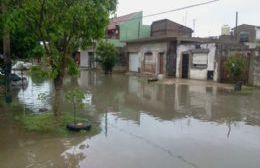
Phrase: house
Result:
[248,34]
[197,61]
[119,30]
[169,28]
[157,54]
[205,61]
[254,75]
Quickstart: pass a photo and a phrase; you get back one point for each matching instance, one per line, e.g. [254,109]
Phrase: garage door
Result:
[134,62]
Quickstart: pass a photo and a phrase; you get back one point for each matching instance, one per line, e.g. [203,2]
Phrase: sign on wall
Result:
[200,59]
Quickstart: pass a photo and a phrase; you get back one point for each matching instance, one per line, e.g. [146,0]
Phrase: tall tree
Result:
[63,26]
[6,39]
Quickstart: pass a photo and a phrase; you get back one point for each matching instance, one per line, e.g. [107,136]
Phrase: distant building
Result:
[225,30]
[206,61]
[127,27]
[157,54]
[254,75]
[169,28]
[119,30]
[247,34]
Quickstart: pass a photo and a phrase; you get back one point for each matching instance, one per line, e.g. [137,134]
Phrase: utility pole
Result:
[186,18]
[236,33]
[194,26]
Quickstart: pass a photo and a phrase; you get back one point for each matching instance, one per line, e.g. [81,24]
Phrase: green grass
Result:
[48,124]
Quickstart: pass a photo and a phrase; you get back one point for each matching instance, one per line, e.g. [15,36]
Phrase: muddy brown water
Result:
[142,126]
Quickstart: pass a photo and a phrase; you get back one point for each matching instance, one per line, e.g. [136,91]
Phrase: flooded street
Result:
[142,125]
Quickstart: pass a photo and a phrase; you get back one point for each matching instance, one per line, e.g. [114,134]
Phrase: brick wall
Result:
[169,28]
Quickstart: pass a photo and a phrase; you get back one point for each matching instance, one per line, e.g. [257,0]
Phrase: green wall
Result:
[129,30]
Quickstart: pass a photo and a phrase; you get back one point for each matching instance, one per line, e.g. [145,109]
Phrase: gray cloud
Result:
[209,18]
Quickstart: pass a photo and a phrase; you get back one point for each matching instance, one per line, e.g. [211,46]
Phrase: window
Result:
[200,60]
[244,37]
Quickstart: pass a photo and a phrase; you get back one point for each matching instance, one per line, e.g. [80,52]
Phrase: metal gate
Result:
[134,62]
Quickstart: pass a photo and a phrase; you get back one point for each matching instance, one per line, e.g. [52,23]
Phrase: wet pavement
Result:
[142,125]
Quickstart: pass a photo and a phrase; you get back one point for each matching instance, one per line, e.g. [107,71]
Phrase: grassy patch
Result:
[47,123]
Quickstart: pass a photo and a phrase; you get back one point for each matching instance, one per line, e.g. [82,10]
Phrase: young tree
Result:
[63,26]
[106,56]
[236,65]
[75,97]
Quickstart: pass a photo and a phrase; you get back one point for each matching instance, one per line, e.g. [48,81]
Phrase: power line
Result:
[182,8]
[169,11]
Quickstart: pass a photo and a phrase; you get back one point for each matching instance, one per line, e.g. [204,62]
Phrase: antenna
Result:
[236,33]
[194,26]
[186,17]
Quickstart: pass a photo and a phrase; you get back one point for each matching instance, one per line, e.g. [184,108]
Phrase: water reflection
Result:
[29,95]
[145,125]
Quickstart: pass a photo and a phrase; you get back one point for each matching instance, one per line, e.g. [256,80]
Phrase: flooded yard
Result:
[142,125]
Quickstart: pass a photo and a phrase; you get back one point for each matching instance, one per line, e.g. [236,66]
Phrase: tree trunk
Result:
[58,82]
[7,58]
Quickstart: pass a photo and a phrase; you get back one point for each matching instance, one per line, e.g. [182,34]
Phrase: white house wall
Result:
[196,73]
[155,49]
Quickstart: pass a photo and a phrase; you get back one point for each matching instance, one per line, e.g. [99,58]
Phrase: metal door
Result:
[185,66]
[134,62]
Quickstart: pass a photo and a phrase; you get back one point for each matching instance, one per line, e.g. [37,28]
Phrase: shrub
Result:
[106,56]
[236,67]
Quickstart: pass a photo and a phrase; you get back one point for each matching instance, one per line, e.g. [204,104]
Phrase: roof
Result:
[121,19]
[167,20]
[168,38]
[246,25]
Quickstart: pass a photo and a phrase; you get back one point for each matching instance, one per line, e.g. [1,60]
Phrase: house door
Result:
[185,66]
[134,62]
[161,63]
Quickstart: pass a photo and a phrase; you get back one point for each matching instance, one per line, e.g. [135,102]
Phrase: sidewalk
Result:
[196,83]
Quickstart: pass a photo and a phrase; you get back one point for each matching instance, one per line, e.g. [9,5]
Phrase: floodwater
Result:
[141,126]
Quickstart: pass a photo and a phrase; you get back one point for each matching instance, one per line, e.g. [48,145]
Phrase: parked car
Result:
[17,81]
[20,65]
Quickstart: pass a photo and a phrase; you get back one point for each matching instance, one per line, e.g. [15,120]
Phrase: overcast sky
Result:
[209,18]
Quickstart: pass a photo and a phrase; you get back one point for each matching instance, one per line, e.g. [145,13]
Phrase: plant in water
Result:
[75,97]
